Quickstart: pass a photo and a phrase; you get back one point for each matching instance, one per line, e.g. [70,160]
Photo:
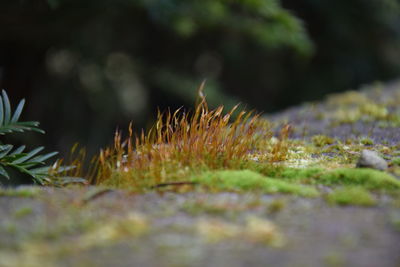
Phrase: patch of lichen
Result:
[333,153]
[255,230]
[51,242]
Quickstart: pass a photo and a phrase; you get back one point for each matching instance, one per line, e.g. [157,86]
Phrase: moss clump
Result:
[367,178]
[300,174]
[284,172]
[351,196]
[367,141]
[322,140]
[396,161]
[246,180]
[181,142]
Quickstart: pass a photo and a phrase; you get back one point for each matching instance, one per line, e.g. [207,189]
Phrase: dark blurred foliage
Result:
[357,42]
[89,66]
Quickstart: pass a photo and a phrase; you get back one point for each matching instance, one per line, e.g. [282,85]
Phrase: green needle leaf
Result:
[28,156]
[19,150]
[44,157]
[7,107]
[4,173]
[4,150]
[1,111]
[18,111]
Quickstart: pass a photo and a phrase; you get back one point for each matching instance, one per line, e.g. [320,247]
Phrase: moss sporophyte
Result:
[208,149]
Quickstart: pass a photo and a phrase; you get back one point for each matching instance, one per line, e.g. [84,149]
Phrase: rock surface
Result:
[371,159]
[59,227]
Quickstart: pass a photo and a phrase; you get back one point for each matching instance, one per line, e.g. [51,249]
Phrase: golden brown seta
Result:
[182,143]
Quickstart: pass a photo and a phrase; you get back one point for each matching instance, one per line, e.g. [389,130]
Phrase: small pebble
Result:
[371,159]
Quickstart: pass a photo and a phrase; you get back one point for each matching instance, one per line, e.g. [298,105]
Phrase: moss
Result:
[297,174]
[133,225]
[276,205]
[334,259]
[246,180]
[214,231]
[353,106]
[256,230]
[22,212]
[272,171]
[368,178]
[351,196]
[396,161]
[263,231]
[322,140]
[395,221]
[20,192]
[367,141]
[196,208]
[9,227]
[288,173]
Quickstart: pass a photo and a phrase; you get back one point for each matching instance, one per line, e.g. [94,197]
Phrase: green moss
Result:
[322,140]
[367,178]
[300,174]
[284,172]
[367,141]
[351,196]
[396,161]
[246,180]
[20,192]
[22,212]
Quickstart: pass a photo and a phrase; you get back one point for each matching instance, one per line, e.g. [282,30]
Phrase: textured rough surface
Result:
[347,115]
[56,228]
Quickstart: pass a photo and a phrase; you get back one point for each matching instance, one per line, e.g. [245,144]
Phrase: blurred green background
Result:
[88,67]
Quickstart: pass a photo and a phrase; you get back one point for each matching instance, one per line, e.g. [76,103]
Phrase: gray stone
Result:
[371,159]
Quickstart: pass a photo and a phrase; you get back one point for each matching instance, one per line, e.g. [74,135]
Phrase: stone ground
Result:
[93,227]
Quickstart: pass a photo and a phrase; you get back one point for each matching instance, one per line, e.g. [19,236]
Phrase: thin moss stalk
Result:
[182,143]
